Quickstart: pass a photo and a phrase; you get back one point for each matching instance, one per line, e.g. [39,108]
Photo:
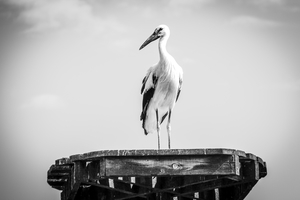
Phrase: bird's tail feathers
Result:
[149,122]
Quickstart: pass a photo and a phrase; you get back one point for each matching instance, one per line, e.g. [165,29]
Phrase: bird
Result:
[161,86]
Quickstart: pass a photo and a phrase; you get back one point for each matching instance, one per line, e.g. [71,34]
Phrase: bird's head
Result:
[160,32]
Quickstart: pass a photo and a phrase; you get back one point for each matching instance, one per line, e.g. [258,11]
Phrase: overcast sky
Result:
[71,72]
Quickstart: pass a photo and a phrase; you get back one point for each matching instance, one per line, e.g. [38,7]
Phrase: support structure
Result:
[204,174]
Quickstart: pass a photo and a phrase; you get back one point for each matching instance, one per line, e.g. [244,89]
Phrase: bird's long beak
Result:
[152,38]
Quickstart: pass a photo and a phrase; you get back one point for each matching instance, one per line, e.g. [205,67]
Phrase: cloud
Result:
[265,2]
[179,7]
[45,101]
[59,15]
[289,5]
[179,3]
[251,21]
[47,16]
[268,2]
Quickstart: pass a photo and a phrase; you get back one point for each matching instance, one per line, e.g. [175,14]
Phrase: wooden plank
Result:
[63,161]
[221,151]
[217,194]
[250,169]
[237,164]
[251,156]
[59,169]
[57,181]
[58,176]
[102,164]
[153,152]
[263,170]
[67,187]
[259,160]
[166,165]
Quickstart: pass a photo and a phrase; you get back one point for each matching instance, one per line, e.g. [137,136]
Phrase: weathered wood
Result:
[250,170]
[143,185]
[166,165]
[187,180]
[150,152]
[217,174]
[93,170]
[58,176]
[78,174]
[263,170]
[63,161]
[251,156]
[120,184]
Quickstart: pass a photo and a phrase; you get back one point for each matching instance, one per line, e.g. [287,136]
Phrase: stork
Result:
[160,87]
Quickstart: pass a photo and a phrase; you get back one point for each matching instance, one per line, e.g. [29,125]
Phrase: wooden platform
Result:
[219,174]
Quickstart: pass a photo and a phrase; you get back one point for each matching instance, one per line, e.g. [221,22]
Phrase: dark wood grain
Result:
[170,165]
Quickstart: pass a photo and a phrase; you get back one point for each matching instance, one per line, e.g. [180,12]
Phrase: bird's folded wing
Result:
[148,89]
[179,88]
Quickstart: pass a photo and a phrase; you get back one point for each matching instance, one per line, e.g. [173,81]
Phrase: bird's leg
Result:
[169,129]
[158,128]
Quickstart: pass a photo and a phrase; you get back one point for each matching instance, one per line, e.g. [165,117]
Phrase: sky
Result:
[71,73]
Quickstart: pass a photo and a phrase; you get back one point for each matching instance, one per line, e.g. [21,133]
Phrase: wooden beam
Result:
[151,152]
[78,174]
[166,165]
[250,170]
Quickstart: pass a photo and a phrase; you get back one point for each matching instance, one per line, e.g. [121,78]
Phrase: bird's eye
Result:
[159,30]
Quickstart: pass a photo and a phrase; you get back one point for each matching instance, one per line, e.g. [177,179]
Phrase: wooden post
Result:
[78,175]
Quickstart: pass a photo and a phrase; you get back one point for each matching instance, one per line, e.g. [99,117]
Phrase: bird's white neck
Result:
[163,54]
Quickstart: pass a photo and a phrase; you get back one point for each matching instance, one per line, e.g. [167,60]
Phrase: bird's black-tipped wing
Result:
[144,82]
[148,92]
[179,88]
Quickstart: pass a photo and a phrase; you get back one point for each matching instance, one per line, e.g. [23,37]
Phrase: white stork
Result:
[161,86]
